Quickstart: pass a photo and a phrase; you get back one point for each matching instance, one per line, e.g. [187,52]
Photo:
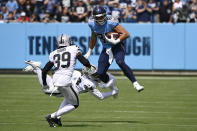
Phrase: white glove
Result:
[87,55]
[112,40]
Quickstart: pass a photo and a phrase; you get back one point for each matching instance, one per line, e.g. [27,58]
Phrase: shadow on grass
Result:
[96,123]
[81,125]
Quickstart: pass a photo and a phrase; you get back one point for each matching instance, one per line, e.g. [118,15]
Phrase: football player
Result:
[101,24]
[82,83]
[64,61]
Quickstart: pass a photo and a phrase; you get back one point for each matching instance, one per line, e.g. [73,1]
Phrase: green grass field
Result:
[166,104]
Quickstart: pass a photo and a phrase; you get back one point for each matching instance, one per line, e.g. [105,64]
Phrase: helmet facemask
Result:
[64,40]
[100,19]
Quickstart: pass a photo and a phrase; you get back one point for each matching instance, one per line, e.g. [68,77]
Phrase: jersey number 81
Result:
[62,60]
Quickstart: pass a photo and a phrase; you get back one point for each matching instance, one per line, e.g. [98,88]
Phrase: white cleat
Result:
[34,64]
[29,68]
[137,86]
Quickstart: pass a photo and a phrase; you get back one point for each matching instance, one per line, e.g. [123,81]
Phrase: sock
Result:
[63,104]
[66,109]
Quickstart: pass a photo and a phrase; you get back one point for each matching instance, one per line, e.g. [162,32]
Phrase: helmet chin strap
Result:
[101,23]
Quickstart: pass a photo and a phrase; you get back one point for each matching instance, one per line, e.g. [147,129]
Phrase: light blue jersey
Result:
[100,30]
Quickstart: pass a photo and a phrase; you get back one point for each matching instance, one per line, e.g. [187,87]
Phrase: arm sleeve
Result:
[97,94]
[100,95]
[83,60]
[45,70]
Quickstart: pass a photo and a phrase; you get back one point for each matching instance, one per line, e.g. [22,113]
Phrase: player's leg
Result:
[119,55]
[56,120]
[49,80]
[103,65]
[50,89]
[35,66]
[111,84]
[70,103]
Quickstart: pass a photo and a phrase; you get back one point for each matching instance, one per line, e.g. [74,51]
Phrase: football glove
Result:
[112,40]
[87,55]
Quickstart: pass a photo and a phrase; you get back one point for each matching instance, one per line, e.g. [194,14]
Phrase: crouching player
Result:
[81,83]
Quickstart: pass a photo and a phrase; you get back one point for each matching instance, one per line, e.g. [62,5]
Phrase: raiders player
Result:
[81,83]
[64,61]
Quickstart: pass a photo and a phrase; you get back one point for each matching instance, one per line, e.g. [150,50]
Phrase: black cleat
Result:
[57,121]
[50,121]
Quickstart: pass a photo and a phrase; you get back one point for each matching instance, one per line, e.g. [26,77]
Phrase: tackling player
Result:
[81,83]
[101,24]
[64,60]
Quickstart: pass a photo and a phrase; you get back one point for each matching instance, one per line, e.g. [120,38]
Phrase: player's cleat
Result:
[50,121]
[34,64]
[29,68]
[57,121]
[137,86]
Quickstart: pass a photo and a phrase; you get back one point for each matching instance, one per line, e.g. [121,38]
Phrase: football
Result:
[116,35]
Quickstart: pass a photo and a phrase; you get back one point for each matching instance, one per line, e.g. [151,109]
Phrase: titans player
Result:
[101,24]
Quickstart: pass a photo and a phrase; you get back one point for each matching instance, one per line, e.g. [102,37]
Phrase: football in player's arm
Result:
[101,24]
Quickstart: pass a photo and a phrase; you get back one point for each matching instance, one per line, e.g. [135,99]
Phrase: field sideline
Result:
[166,104]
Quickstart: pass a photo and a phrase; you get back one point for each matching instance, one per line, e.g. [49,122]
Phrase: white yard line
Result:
[145,112]
[13,123]
[117,77]
[158,78]
[20,76]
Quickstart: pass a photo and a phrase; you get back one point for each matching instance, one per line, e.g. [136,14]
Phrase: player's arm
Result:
[45,70]
[96,93]
[102,95]
[92,43]
[124,33]
[83,60]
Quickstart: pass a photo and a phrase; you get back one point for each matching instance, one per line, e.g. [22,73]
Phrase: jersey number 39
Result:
[62,60]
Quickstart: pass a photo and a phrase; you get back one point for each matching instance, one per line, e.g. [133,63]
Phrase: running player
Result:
[101,24]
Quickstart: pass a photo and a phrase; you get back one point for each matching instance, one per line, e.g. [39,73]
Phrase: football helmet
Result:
[89,71]
[99,15]
[64,40]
